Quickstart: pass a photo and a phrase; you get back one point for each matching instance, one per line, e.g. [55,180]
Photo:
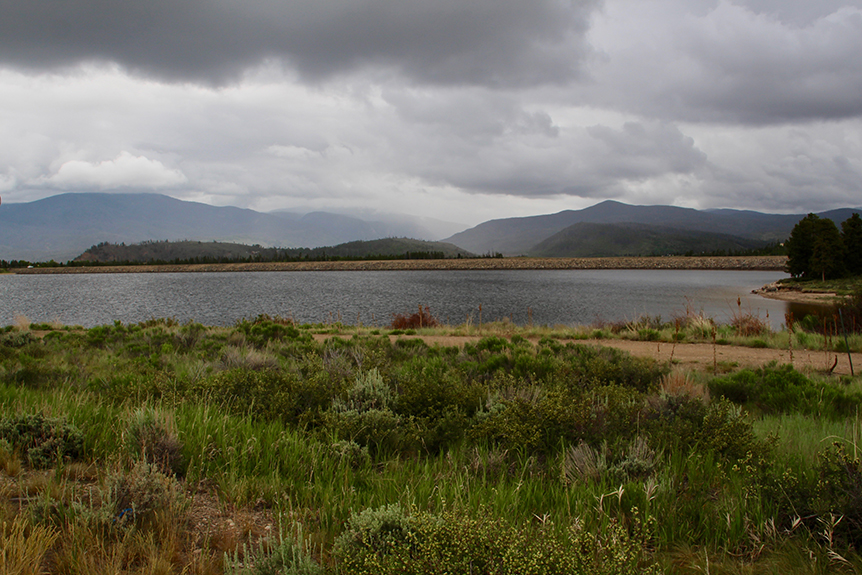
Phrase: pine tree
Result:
[800,246]
[851,234]
[827,253]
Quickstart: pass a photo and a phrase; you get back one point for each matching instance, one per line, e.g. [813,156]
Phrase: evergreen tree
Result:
[851,234]
[800,246]
[827,251]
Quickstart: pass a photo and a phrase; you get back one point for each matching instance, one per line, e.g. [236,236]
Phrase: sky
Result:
[461,110]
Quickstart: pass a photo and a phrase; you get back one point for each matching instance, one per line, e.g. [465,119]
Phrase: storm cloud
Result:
[463,110]
[504,43]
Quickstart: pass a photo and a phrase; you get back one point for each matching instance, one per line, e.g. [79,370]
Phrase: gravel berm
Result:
[771,263]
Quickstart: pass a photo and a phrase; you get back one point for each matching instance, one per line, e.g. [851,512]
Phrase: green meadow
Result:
[263,448]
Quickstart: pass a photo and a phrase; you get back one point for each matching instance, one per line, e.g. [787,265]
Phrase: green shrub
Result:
[270,395]
[368,392]
[291,556]
[265,329]
[781,389]
[17,339]
[138,495]
[596,366]
[543,421]
[839,492]
[727,432]
[648,334]
[492,344]
[429,386]
[42,441]
[352,453]
[379,430]
[366,418]
[389,540]
[152,436]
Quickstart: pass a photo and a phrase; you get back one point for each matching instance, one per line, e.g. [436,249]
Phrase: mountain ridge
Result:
[518,236]
[61,227]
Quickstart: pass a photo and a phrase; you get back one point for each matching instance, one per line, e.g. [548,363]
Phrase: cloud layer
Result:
[505,42]
[462,110]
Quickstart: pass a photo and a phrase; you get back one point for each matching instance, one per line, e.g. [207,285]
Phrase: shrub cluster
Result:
[42,441]
[781,389]
[389,539]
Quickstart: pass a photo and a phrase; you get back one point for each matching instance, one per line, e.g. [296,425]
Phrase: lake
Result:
[543,297]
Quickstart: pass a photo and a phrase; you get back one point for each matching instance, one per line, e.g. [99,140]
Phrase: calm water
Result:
[547,297]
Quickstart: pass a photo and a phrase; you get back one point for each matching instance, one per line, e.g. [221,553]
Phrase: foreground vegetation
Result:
[167,448]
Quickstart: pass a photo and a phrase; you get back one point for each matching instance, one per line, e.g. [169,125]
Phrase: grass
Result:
[841,287]
[210,450]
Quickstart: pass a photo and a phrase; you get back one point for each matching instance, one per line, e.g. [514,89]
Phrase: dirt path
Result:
[694,356]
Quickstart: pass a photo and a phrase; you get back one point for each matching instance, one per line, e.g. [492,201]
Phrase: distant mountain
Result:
[167,251]
[517,236]
[62,227]
[588,240]
[397,225]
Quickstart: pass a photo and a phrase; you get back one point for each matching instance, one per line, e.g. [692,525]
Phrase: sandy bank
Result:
[770,263]
[796,295]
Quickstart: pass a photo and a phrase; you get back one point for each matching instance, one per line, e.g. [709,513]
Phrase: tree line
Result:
[817,249]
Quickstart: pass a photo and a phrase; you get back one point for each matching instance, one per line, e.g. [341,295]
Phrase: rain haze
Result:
[462,110]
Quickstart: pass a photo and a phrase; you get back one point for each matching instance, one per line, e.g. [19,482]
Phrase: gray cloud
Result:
[503,43]
[730,62]
[462,110]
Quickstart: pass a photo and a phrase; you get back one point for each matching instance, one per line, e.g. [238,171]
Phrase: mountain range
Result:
[532,235]
[64,226]
[61,227]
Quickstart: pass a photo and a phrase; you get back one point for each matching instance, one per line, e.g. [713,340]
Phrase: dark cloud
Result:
[499,42]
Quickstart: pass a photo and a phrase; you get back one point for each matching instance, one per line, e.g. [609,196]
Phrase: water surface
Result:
[545,297]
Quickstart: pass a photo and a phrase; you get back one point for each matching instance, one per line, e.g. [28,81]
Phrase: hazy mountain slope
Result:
[608,240]
[388,224]
[62,227]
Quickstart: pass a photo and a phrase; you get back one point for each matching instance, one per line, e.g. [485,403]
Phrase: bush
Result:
[543,422]
[139,495]
[727,432]
[781,389]
[390,540]
[839,492]
[748,324]
[153,437]
[422,318]
[289,397]
[365,416]
[41,440]
[265,329]
[291,556]
[592,367]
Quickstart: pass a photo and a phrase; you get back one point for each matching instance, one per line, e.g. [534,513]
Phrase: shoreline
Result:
[795,294]
[729,263]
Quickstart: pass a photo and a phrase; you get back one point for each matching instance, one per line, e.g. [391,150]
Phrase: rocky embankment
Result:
[775,263]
